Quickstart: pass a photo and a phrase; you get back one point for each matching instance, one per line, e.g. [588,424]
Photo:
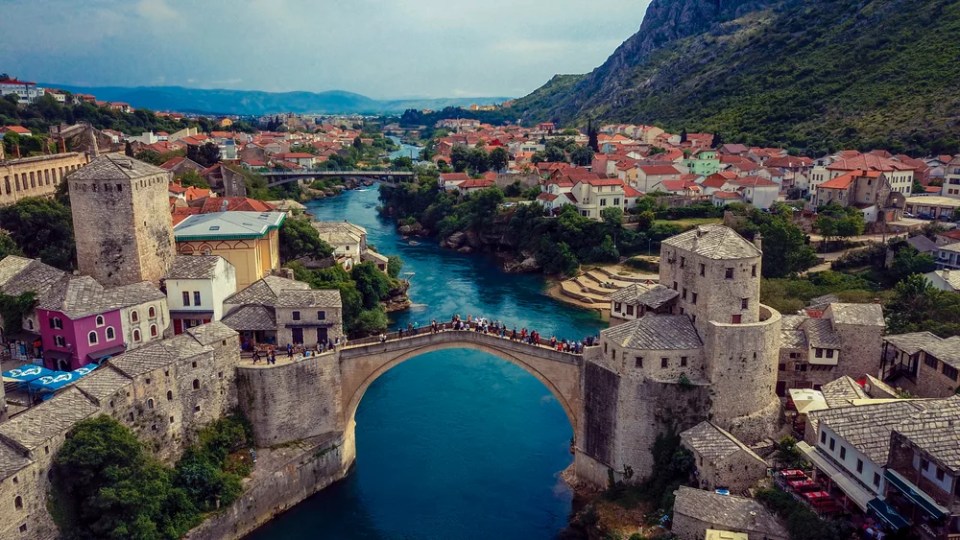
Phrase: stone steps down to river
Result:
[573,290]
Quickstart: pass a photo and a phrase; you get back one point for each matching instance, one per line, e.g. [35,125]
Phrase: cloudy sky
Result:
[381,48]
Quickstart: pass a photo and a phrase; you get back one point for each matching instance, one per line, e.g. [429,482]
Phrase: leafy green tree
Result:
[581,156]
[357,143]
[299,239]
[105,486]
[909,261]
[554,154]
[192,178]
[149,156]
[42,229]
[372,284]
[498,159]
[394,265]
[8,246]
[477,161]
[206,154]
[459,158]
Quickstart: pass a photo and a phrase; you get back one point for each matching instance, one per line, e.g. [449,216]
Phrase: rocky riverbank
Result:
[311,194]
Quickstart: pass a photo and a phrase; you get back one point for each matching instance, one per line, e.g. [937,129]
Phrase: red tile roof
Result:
[658,170]
[869,162]
[476,183]
[841,182]
[753,181]
[172,162]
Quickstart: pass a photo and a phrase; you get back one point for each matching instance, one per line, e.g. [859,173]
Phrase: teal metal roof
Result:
[227,226]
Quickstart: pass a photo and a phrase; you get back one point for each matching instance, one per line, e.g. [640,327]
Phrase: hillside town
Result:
[179,290]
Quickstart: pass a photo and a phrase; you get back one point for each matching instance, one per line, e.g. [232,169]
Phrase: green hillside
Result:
[813,75]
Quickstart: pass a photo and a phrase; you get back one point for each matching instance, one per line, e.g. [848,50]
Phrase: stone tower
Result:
[713,356]
[121,220]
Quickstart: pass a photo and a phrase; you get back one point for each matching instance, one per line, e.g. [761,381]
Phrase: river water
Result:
[455,444]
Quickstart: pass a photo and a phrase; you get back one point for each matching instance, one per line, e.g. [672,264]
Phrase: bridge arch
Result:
[558,372]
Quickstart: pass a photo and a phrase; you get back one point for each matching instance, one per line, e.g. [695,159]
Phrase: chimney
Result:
[758,241]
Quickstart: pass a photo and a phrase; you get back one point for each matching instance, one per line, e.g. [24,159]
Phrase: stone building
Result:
[165,392]
[922,363]
[121,220]
[36,176]
[278,311]
[845,339]
[19,275]
[697,510]
[707,351]
[722,461]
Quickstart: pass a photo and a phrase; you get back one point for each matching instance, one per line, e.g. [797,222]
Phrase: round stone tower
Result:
[121,220]
[717,273]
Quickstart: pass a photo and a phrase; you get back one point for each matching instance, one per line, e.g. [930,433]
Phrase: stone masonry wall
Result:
[36,176]
[291,402]
[282,478]
[742,364]
[123,229]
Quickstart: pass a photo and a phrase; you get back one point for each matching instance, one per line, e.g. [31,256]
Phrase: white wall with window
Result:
[193,300]
[137,321]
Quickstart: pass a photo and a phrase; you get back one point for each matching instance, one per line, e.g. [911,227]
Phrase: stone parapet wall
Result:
[291,402]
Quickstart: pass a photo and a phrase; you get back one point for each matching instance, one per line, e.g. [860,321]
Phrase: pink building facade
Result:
[69,344]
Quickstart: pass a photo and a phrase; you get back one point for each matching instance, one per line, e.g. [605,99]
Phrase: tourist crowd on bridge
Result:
[498,329]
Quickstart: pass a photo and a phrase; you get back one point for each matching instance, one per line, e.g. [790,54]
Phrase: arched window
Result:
[169,395]
[150,403]
[153,330]
[135,316]
[100,321]
[136,336]
[92,338]
[111,334]
[152,313]
[18,503]
[196,384]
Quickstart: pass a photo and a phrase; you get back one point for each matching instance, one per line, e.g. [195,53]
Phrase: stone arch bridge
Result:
[362,364]
[316,397]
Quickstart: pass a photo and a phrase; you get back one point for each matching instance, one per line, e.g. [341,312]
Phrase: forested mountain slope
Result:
[814,75]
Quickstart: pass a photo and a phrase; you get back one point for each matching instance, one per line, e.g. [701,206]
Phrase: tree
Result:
[498,159]
[394,265]
[593,136]
[105,486]
[128,149]
[717,141]
[205,154]
[683,135]
[372,284]
[909,261]
[581,156]
[459,158]
[357,143]
[299,239]
[192,178]
[149,156]
[42,229]
[477,161]
[554,153]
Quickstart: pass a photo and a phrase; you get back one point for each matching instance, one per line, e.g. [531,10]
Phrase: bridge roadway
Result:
[275,178]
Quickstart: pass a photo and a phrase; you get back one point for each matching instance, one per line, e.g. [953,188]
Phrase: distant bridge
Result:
[390,178]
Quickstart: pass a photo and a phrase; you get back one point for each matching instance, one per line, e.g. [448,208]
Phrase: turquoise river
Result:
[456,444]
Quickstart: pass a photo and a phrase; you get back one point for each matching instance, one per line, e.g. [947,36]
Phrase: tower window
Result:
[664,362]
[744,302]
[703,269]
[295,315]
[196,384]
[753,271]
[638,361]
[729,273]
[693,298]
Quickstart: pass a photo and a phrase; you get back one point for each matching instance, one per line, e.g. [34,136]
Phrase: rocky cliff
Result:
[815,75]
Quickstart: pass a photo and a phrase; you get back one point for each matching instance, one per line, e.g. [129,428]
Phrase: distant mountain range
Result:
[811,75]
[253,102]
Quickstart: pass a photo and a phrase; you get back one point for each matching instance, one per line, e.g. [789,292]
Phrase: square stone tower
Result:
[121,220]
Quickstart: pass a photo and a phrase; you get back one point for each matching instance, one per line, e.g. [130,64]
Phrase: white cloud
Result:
[382,48]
